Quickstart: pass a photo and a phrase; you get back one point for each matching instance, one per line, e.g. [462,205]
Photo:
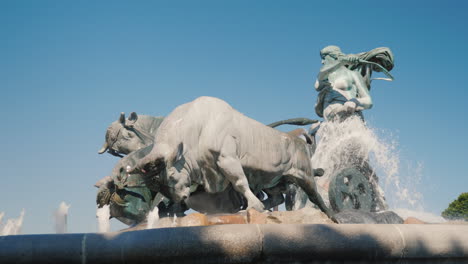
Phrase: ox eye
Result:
[128,135]
[171,181]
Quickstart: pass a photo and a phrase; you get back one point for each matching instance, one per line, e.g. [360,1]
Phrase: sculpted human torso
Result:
[347,95]
[345,92]
[342,80]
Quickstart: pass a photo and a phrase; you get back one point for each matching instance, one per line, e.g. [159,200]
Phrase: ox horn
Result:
[104,148]
[122,118]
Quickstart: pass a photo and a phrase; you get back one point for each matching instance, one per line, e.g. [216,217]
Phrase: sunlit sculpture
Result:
[344,81]
[208,143]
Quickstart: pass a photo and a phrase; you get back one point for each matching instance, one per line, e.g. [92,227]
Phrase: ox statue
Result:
[126,135]
[127,195]
[208,144]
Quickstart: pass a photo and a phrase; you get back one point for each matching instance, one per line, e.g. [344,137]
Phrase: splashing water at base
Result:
[174,221]
[352,143]
[103,216]
[153,218]
[12,226]
[60,217]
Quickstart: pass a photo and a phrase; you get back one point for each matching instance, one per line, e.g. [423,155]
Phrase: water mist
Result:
[352,143]
[60,217]
[103,216]
[12,226]
[153,218]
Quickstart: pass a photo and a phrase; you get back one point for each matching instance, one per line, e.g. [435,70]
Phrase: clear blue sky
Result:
[68,68]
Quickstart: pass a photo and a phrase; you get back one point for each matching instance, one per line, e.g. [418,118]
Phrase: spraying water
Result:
[103,216]
[153,218]
[351,143]
[174,221]
[12,226]
[60,217]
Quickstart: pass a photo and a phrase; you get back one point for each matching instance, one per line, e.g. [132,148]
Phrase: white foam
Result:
[343,144]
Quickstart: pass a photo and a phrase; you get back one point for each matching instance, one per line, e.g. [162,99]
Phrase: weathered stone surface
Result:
[413,220]
[365,243]
[388,217]
[195,219]
[456,223]
[255,217]
[163,223]
[302,216]
[362,217]
[226,219]
[318,243]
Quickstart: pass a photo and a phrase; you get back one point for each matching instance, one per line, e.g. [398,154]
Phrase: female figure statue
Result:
[343,82]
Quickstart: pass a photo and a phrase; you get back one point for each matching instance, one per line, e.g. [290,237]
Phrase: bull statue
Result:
[208,144]
[127,135]
[129,198]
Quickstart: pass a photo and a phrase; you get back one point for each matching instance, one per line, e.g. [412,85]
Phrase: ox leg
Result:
[231,168]
[308,185]
[275,197]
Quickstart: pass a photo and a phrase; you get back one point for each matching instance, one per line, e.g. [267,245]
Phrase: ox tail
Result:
[301,121]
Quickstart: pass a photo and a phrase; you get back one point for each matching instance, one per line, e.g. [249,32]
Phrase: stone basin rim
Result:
[248,243]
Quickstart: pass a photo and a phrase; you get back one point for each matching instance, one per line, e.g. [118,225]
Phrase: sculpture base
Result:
[251,216]
[306,215]
[248,243]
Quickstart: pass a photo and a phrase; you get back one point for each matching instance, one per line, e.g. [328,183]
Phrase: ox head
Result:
[129,204]
[166,167]
[122,137]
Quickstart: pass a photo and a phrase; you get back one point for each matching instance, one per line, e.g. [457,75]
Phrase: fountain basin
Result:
[248,243]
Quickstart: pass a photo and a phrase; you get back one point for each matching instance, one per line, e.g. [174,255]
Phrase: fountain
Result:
[153,218]
[206,156]
[12,226]
[103,216]
[60,217]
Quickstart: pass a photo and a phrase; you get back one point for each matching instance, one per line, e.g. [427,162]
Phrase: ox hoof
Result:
[259,207]
[333,218]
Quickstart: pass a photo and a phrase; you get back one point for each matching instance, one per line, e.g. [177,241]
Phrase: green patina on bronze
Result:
[343,83]
[128,196]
